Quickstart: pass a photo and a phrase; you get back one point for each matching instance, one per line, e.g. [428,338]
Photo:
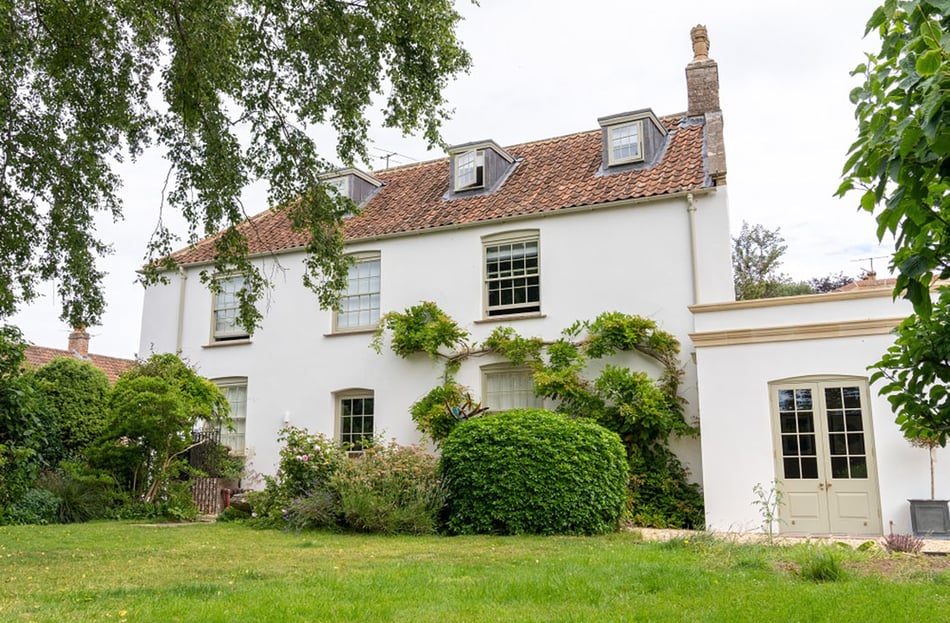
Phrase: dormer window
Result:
[352,184]
[625,143]
[477,168]
[340,184]
[470,170]
[631,140]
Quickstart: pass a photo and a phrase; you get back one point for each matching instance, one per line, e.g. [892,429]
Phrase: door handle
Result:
[821,486]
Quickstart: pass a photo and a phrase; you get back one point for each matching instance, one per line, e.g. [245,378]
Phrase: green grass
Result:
[227,572]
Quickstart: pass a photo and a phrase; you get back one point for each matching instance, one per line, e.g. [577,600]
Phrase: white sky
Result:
[544,68]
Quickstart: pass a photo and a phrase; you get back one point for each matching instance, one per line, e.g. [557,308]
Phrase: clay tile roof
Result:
[868,284]
[549,175]
[37,356]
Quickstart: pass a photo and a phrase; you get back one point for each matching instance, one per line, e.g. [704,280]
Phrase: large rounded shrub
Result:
[77,393]
[533,471]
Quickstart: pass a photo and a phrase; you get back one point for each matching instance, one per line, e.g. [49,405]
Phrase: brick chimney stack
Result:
[79,342]
[702,90]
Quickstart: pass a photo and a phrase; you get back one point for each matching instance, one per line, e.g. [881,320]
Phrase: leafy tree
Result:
[916,371]
[226,88]
[77,393]
[154,407]
[901,158]
[829,283]
[756,257]
[28,435]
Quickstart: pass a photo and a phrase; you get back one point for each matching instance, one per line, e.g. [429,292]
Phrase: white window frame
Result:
[236,440]
[467,165]
[362,295]
[614,143]
[528,279]
[341,184]
[344,430]
[225,303]
[509,398]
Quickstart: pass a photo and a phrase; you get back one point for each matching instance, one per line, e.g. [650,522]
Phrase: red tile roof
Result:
[550,175]
[868,284]
[37,356]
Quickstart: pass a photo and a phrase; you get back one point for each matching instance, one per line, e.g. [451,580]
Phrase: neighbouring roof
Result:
[868,284]
[37,356]
[549,175]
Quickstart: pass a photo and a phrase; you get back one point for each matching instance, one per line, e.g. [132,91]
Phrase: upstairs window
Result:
[625,143]
[359,305]
[227,308]
[340,184]
[512,274]
[469,170]
[631,140]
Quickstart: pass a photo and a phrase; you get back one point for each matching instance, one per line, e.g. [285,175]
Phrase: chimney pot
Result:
[700,42]
[79,342]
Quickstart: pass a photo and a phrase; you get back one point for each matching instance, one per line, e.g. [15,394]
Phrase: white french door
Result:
[825,457]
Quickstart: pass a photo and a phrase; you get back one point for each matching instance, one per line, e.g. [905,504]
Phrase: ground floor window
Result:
[357,412]
[235,391]
[506,388]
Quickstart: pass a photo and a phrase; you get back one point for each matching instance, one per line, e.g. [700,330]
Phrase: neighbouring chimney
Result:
[702,91]
[79,342]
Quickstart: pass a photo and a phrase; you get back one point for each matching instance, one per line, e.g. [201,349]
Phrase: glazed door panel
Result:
[824,458]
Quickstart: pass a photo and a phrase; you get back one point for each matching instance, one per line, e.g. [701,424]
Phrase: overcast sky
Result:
[544,68]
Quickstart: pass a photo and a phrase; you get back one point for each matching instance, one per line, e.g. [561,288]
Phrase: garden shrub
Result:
[389,489]
[36,506]
[82,495]
[316,510]
[306,465]
[77,394]
[533,471]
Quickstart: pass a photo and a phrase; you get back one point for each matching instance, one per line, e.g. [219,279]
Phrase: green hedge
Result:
[533,471]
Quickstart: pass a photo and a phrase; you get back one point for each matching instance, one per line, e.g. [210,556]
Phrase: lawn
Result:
[227,572]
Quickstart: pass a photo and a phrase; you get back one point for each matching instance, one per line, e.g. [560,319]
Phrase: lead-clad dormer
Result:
[476,168]
[352,184]
[631,140]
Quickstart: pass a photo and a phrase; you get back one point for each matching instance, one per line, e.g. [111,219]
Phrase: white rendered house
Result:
[630,216]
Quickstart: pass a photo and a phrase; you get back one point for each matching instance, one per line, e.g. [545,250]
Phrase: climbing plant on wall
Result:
[646,412]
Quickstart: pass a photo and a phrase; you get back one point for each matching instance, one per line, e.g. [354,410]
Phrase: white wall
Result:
[736,418]
[633,259]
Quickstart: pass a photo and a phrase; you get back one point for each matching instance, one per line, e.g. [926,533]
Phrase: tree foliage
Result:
[916,371]
[829,283]
[77,394]
[226,89]
[29,438]
[154,407]
[756,258]
[901,158]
